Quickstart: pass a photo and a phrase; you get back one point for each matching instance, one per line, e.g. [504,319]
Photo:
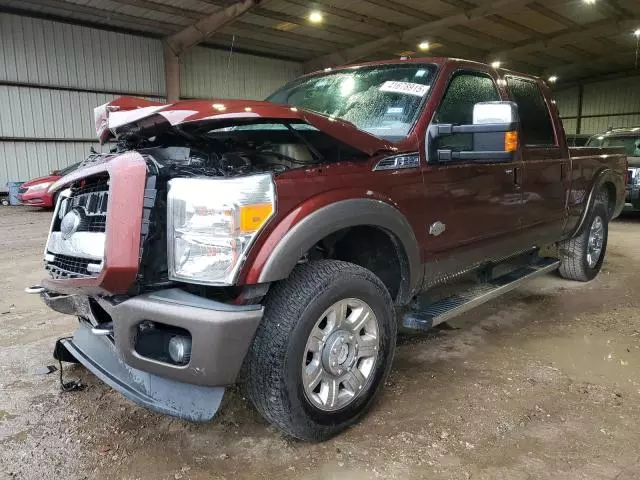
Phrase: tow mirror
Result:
[493,136]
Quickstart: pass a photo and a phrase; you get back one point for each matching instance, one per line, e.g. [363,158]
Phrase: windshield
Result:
[382,100]
[69,169]
[630,144]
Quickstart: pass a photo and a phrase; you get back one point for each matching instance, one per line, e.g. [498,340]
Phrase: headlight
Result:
[38,187]
[211,224]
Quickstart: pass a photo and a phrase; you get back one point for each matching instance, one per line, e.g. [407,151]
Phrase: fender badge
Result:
[437,228]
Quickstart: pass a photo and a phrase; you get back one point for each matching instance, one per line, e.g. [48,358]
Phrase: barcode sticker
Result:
[408,88]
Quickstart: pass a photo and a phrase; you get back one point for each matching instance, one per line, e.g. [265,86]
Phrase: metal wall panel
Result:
[567,101]
[49,114]
[208,73]
[601,124]
[21,161]
[570,125]
[43,52]
[611,97]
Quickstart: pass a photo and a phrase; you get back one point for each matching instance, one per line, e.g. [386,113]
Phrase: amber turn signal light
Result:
[511,141]
[252,217]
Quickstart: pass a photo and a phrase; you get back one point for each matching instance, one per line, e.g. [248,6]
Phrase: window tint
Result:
[534,115]
[463,92]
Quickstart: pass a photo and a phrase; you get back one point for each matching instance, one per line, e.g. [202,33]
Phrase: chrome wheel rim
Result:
[340,356]
[595,241]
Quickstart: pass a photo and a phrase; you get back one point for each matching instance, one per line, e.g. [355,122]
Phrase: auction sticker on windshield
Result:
[408,88]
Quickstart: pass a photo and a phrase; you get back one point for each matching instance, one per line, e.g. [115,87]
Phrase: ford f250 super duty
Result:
[282,244]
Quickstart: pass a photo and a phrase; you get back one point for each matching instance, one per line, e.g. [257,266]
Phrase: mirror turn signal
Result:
[511,141]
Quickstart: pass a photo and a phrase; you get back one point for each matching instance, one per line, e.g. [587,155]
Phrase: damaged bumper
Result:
[190,402]
[108,343]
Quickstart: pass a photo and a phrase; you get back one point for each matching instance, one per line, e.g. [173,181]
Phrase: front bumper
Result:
[220,333]
[36,199]
[190,402]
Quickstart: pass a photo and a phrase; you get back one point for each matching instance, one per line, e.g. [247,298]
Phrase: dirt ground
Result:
[542,383]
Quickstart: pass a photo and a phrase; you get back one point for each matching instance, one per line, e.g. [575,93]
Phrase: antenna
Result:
[226,76]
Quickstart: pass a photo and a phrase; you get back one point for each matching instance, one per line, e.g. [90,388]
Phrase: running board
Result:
[450,307]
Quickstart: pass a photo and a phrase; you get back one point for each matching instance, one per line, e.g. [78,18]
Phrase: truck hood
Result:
[112,117]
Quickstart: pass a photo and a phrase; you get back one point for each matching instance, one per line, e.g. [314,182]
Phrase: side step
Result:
[450,307]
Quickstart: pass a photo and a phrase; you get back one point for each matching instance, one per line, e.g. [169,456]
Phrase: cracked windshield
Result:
[384,101]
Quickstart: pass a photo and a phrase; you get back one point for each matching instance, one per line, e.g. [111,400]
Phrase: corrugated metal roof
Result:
[566,35]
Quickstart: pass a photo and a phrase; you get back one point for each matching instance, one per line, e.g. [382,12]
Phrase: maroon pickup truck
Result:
[282,244]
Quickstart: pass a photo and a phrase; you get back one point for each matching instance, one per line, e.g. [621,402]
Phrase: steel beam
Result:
[410,35]
[204,28]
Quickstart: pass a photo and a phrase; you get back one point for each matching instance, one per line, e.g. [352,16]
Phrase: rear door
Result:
[545,161]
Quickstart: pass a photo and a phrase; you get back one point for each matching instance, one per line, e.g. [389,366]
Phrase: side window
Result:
[535,120]
[464,91]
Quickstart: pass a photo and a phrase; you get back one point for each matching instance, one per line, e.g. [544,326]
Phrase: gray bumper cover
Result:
[221,335]
[190,402]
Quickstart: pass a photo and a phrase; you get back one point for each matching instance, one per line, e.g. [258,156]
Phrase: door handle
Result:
[516,175]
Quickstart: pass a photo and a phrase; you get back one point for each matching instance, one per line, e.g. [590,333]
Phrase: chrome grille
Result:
[79,253]
[65,266]
[91,197]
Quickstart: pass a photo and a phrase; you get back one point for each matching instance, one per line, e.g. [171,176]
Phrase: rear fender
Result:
[336,216]
[605,175]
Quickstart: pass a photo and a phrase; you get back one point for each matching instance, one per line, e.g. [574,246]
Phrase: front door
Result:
[543,179]
[478,205]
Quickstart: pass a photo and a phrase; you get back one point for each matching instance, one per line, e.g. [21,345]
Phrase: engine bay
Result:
[199,150]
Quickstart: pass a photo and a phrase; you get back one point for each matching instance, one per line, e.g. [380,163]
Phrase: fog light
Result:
[180,349]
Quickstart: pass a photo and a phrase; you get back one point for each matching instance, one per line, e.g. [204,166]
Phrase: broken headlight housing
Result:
[211,224]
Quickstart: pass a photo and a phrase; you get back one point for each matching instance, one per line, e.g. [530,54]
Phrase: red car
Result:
[36,192]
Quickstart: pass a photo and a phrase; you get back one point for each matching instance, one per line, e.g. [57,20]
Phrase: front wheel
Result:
[323,349]
[581,257]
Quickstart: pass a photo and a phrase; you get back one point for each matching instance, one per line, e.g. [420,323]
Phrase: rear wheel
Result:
[581,257]
[323,349]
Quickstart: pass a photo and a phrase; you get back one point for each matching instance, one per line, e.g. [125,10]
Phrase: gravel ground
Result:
[542,383]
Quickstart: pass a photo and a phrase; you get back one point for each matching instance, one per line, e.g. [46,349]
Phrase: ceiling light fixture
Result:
[315,16]
[590,2]
[495,64]
[637,32]
[553,79]
[423,45]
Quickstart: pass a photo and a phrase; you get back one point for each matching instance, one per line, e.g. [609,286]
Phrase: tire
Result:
[281,349]
[575,262]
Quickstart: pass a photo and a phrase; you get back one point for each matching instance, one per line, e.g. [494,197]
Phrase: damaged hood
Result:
[112,117]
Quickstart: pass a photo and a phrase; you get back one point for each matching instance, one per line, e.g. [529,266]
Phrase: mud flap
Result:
[189,402]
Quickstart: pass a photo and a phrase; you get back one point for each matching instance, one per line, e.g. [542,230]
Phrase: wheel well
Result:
[610,188]
[373,248]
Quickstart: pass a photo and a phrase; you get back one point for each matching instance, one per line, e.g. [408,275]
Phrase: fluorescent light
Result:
[495,64]
[315,16]
[423,46]
[553,79]
[590,2]
[637,32]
